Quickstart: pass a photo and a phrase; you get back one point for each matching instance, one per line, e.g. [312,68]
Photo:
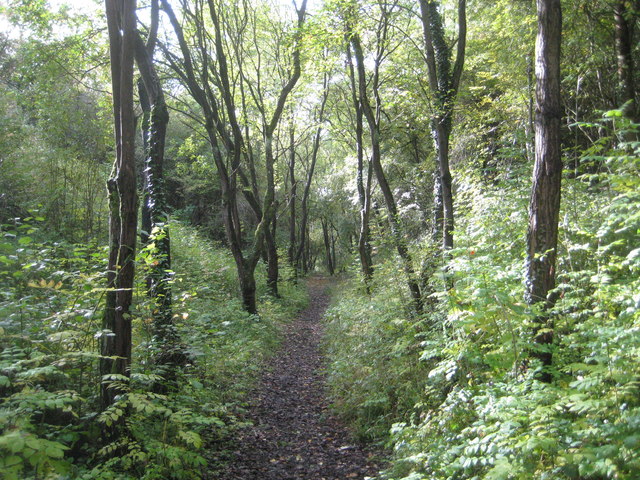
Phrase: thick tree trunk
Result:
[123,199]
[444,81]
[154,210]
[544,207]
[155,227]
[624,51]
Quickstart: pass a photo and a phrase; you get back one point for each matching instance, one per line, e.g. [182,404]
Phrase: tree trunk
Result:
[155,208]
[248,288]
[364,189]
[544,206]
[123,199]
[304,219]
[624,51]
[225,132]
[327,246]
[444,81]
[292,199]
[442,135]
[273,270]
[390,202]
[333,247]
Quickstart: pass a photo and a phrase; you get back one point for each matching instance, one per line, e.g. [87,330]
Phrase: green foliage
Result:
[374,373]
[50,308]
[227,344]
[54,122]
[475,411]
[158,436]
[47,351]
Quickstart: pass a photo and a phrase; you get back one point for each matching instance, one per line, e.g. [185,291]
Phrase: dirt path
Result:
[294,436]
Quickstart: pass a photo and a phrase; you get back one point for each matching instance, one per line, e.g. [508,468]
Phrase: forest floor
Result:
[293,435]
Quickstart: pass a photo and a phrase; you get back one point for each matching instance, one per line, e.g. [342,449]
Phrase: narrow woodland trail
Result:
[294,435]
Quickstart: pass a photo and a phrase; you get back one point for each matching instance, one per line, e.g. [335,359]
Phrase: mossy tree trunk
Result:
[155,228]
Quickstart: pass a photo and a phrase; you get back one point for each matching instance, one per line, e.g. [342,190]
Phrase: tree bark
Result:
[364,189]
[444,81]
[327,246]
[155,208]
[304,203]
[273,270]
[376,162]
[225,133]
[293,190]
[123,199]
[624,50]
[544,206]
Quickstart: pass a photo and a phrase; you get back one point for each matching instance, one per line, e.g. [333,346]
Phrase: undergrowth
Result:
[50,315]
[453,393]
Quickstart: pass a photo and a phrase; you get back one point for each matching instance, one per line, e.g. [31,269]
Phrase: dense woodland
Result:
[171,171]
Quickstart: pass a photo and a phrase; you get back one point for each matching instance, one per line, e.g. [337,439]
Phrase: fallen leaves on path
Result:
[294,435]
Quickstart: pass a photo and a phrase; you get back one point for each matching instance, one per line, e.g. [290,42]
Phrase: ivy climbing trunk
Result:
[123,201]
[544,206]
[155,228]
[444,81]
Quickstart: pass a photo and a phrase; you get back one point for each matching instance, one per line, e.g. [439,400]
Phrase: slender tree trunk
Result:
[544,207]
[273,270]
[292,198]
[333,247]
[364,189]
[443,133]
[221,121]
[304,209]
[123,199]
[327,246]
[390,202]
